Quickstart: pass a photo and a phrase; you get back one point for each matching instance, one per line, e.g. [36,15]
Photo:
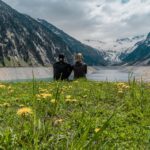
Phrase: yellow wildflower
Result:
[71,100]
[43,90]
[64,87]
[120,92]
[68,100]
[53,101]
[44,95]
[68,96]
[97,130]
[6,105]
[2,86]
[127,87]
[74,100]
[11,91]
[57,122]
[21,105]
[62,92]
[24,111]
[9,88]
[122,87]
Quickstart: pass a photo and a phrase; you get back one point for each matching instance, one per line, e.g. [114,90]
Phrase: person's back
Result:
[80,68]
[61,69]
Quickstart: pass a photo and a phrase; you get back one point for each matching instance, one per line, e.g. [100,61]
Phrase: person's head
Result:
[78,57]
[61,57]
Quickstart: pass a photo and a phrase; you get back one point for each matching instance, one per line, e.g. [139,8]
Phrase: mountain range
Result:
[115,50]
[140,55]
[25,41]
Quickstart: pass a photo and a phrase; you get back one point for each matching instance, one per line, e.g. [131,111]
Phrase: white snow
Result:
[113,48]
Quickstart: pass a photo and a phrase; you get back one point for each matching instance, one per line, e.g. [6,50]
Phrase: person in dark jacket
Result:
[79,68]
[61,69]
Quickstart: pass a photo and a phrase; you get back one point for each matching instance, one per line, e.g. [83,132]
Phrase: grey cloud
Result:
[86,18]
[107,9]
[70,15]
[125,1]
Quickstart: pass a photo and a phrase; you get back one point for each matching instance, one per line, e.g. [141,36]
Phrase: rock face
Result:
[25,41]
[140,55]
[91,55]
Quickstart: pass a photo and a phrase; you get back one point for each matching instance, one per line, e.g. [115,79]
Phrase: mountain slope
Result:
[25,41]
[140,55]
[91,55]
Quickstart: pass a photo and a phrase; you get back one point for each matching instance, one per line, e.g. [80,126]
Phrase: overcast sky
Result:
[91,19]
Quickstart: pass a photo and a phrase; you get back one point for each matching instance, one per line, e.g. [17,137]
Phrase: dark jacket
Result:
[80,70]
[61,70]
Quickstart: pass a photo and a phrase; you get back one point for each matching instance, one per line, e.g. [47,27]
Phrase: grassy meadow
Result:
[76,115]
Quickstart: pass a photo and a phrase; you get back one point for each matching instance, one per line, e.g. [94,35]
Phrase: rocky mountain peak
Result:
[25,41]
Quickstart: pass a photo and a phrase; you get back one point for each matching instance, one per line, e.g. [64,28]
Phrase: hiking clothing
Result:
[62,70]
[80,70]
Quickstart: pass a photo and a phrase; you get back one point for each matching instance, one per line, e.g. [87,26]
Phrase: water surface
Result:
[94,73]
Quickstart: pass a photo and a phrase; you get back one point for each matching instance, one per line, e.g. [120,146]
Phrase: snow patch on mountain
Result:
[112,49]
[115,45]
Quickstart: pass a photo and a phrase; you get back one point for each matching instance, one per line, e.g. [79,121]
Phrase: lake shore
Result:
[24,73]
[94,73]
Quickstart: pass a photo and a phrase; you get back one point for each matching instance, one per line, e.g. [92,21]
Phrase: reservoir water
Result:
[112,74]
[94,73]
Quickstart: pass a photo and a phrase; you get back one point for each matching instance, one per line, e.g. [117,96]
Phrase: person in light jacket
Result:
[79,68]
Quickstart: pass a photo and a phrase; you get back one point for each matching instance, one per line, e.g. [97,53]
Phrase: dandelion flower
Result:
[6,105]
[21,105]
[44,95]
[43,90]
[127,87]
[53,101]
[57,122]
[68,100]
[2,86]
[71,100]
[120,92]
[97,130]
[74,100]
[9,88]
[11,91]
[68,96]
[24,111]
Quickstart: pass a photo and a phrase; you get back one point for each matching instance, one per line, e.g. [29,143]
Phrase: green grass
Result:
[75,115]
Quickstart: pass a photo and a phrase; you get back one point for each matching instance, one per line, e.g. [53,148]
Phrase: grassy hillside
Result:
[75,115]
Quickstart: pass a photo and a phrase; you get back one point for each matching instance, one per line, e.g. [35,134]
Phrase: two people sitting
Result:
[62,70]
